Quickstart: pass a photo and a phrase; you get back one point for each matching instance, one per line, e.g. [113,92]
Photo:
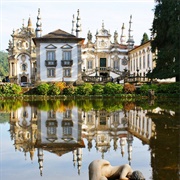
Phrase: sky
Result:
[57,14]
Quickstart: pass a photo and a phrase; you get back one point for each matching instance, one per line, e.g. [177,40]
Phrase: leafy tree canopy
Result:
[166,42]
[145,38]
[3,64]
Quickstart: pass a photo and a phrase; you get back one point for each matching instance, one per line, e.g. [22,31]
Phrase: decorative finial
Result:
[123,37]
[38,25]
[103,24]
[73,26]
[29,23]
[89,36]
[96,31]
[78,25]
[130,37]
[22,22]
[115,37]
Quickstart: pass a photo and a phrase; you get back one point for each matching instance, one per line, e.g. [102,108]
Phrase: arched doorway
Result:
[23,79]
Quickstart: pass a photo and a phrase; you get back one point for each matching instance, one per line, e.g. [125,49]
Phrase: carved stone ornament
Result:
[22,44]
[102,43]
[23,58]
[124,61]
[116,58]
[24,67]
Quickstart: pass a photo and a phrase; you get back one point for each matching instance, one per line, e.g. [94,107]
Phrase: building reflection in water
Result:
[63,132]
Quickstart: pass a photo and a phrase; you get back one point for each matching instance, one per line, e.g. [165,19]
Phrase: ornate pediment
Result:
[103,44]
[66,46]
[50,46]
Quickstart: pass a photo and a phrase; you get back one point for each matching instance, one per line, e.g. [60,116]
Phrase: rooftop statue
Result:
[102,170]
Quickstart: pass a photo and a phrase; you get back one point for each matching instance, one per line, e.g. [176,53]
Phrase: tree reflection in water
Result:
[60,127]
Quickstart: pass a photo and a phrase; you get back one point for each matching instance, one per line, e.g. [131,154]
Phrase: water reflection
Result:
[61,132]
[60,129]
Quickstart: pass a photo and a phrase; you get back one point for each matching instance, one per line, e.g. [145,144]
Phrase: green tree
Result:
[166,42]
[3,64]
[85,89]
[98,89]
[112,88]
[53,90]
[145,38]
[43,89]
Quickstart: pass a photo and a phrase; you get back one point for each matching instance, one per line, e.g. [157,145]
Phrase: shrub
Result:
[144,89]
[61,85]
[172,88]
[85,89]
[69,90]
[129,106]
[54,90]
[10,89]
[43,89]
[112,89]
[98,89]
[129,88]
[16,89]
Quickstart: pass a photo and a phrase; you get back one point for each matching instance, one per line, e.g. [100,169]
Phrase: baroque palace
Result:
[63,56]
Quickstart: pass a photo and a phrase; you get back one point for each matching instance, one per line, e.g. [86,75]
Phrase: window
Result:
[136,63]
[89,119]
[89,64]
[148,62]
[51,114]
[143,61]
[140,63]
[24,67]
[102,121]
[50,55]
[51,129]
[66,55]
[116,64]
[25,114]
[67,114]
[51,72]
[67,131]
[67,72]
[116,118]
[124,61]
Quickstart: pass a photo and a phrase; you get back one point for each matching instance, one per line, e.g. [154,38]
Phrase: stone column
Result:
[10,69]
[15,68]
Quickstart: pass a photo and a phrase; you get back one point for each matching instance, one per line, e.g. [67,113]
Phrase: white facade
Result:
[141,59]
[58,127]
[58,73]
[58,57]
[58,54]
[104,57]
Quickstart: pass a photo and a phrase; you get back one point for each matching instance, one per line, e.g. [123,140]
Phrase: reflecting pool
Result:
[59,139]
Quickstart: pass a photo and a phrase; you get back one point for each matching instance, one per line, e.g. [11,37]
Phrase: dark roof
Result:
[56,36]
[137,46]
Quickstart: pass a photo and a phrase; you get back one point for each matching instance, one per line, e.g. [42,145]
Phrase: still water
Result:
[59,139]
